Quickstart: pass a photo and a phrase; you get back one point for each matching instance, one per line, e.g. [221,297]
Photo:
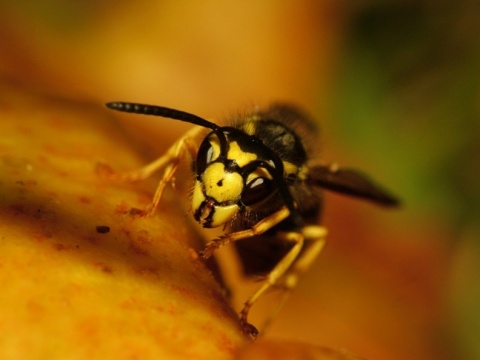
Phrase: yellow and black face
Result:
[248,168]
[243,172]
[233,171]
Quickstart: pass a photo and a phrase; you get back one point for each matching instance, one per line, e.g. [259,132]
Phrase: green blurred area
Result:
[409,94]
[409,99]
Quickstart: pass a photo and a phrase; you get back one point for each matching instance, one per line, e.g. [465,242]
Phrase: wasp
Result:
[257,178]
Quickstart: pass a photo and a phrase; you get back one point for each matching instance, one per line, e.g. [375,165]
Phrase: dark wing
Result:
[350,182]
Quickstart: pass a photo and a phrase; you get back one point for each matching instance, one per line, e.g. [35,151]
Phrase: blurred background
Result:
[395,88]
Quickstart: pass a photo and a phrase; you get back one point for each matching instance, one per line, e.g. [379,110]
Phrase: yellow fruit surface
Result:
[81,277]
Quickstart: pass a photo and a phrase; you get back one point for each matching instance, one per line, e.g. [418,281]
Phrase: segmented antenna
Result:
[155,110]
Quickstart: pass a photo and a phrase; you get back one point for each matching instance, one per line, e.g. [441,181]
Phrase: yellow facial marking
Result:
[241,157]
[198,196]
[221,185]
[215,146]
[223,214]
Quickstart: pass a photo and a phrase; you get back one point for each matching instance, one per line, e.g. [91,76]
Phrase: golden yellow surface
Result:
[390,96]
[69,291]
[82,276]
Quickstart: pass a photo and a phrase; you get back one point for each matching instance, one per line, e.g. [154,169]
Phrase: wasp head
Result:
[233,172]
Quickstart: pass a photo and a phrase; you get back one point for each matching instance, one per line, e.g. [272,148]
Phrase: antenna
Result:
[155,110]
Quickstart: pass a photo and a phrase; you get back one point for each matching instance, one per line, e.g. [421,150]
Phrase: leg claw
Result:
[250,330]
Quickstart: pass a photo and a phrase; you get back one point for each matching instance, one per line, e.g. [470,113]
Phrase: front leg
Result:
[169,162]
[257,229]
[307,246]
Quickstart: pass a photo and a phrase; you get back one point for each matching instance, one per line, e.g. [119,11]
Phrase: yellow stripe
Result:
[241,157]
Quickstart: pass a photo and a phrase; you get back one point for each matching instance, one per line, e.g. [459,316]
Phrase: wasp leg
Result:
[283,272]
[174,155]
[271,280]
[315,241]
[316,236]
[169,161]
[257,229]
[171,155]
[288,270]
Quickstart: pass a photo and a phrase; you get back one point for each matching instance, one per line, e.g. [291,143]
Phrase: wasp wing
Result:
[350,182]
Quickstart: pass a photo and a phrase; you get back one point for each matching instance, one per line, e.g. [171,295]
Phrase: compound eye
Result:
[257,190]
[205,156]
